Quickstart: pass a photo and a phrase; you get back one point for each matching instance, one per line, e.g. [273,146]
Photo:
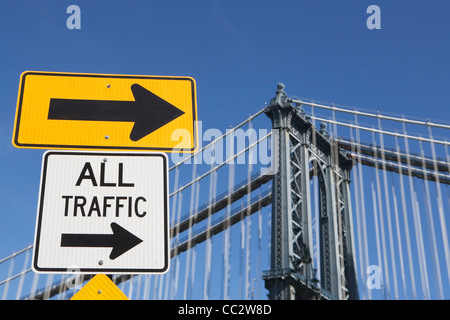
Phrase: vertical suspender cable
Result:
[208,253]
[48,286]
[431,230]
[130,287]
[241,253]
[388,213]
[421,251]
[260,232]
[10,271]
[362,269]
[155,285]
[444,231]
[406,223]
[362,201]
[175,199]
[174,282]
[416,219]
[383,236]
[189,245]
[442,222]
[194,250]
[34,285]
[340,227]
[147,282]
[227,233]
[248,218]
[160,286]
[399,239]
[377,233]
[316,213]
[22,278]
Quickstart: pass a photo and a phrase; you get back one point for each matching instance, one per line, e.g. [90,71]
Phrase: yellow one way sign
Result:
[100,111]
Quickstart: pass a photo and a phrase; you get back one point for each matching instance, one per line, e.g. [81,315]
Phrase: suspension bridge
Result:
[301,200]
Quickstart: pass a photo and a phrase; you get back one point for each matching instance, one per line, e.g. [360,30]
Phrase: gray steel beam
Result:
[378,153]
[281,247]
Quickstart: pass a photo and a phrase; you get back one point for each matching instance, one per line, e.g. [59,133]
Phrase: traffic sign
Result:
[102,212]
[100,111]
[100,287]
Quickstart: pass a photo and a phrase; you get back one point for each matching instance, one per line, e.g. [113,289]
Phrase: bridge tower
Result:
[300,153]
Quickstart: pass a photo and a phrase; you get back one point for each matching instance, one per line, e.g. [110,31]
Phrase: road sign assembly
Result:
[106,112]
[102,212]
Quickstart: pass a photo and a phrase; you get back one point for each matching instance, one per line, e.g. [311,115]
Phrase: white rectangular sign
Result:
[102,212]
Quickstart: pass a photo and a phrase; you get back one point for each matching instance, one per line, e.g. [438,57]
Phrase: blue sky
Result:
[237,51]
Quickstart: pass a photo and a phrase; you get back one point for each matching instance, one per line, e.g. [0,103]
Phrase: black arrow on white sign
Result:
[148,112]
[120,240]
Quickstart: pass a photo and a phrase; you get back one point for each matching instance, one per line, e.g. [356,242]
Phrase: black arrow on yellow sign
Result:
[148,112]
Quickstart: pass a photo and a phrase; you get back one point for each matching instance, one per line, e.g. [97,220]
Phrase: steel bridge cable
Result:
[444,234]
[441,207]
[335,160]
[362,272]
[218,138]
[432,234]
[147,282]
[316,206]
[208,254]
[34,285]
[22,279]
[174,285]
[406,226]
[399,238]
[194,248]
[365,244]
[189,252]
[377,234]
[388,216]
[381,220]
[360,212]
[227,161]
[6,283]
[260,233]
[395,134]
[227,234]
[247,221]
[422,165]
[176,201]
[373,115]
[417,224]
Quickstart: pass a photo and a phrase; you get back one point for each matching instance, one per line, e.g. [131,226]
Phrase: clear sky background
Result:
[236,50]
